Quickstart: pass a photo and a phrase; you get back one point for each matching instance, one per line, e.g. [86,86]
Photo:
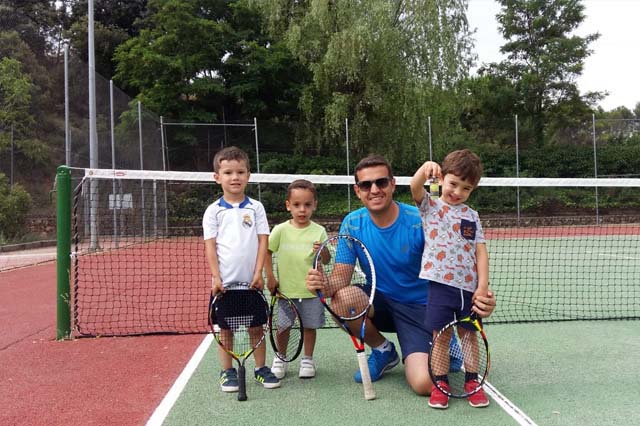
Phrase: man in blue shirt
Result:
[392,232]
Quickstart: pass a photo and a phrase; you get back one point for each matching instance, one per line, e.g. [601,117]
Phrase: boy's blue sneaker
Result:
[379,362]
[229,380]
[266,378]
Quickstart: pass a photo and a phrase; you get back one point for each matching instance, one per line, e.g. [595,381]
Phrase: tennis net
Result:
[138,263]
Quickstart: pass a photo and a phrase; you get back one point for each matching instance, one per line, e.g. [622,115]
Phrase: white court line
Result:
[614,255]
[10,256]
[171,397]
[508,406]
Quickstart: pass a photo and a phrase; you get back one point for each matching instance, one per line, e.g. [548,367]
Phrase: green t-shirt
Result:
[293,249]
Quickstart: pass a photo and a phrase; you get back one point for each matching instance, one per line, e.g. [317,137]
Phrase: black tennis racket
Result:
[239,318]
[285,327]
[346,275]
[472,348]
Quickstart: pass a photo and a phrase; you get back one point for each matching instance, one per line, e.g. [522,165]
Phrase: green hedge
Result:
[187,204]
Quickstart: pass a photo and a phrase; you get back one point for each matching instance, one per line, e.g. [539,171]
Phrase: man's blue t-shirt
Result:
[396,252]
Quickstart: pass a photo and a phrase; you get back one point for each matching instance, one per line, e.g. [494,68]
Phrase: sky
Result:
[613,66]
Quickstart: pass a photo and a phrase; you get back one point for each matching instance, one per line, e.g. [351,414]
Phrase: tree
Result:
[544,59]
[15,115]
[202,60]
[383,65]
[34,20]
[115,21]
[488,109]
[15,202]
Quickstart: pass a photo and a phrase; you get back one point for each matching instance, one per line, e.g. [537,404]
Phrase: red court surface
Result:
[88,381]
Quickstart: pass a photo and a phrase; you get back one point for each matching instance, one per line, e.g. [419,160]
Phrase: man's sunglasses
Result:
[382,183]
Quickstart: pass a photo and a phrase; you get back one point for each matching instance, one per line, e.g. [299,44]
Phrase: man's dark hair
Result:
[372,160]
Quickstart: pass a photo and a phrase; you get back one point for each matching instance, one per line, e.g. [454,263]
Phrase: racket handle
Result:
[242,384]
[369,392]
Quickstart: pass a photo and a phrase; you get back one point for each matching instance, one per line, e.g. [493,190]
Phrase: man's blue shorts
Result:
[404,319]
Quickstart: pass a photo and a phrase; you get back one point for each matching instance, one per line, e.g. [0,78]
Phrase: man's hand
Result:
[314,281]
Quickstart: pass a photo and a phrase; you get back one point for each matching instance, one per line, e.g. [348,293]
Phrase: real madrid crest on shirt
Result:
[246,221]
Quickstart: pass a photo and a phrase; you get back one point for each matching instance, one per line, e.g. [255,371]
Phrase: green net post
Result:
[63,234]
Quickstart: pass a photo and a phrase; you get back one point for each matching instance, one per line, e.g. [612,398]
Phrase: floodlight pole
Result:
[116,200]
[93,133]
[67,131]
[142,200]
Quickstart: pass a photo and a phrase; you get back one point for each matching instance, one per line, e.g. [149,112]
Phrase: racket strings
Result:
[288,329]
[345,279]
[460,358]
[240,320]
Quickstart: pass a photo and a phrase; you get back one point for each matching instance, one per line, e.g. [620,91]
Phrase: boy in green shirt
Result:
[296,242]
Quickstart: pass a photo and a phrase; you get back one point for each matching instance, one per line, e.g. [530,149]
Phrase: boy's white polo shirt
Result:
[236,228]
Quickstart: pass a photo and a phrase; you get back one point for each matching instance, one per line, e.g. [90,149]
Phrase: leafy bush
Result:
[15,202]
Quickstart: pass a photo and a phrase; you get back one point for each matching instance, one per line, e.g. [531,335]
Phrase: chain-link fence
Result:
[128,135]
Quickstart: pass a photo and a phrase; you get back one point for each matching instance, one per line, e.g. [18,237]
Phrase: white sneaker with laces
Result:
[307,368]
[279,367]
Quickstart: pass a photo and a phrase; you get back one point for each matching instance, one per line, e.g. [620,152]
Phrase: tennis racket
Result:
[472,348]
[345,275]
[238,319]
[285,327]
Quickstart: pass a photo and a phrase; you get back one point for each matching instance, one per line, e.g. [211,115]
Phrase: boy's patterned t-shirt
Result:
[451,234]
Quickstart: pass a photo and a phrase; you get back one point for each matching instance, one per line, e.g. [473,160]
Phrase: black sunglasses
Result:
[381,183]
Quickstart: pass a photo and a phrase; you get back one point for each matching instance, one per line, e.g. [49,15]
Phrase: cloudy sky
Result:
[613,67]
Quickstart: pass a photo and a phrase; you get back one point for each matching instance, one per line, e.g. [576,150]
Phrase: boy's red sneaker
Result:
[478,399]
[438,399]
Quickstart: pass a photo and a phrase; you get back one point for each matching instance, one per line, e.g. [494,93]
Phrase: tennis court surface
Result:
[548,373]
[562,339]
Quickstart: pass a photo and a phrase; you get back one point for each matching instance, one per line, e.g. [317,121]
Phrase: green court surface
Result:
[554,373]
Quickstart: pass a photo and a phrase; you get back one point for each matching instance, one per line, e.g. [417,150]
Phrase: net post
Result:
[63,251]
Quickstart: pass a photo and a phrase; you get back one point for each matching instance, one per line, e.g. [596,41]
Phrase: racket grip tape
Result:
[369,392]
[242,383]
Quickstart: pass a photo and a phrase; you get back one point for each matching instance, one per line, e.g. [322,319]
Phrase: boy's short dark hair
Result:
[372,160]
[464,164]
[230,153]
[302,184]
